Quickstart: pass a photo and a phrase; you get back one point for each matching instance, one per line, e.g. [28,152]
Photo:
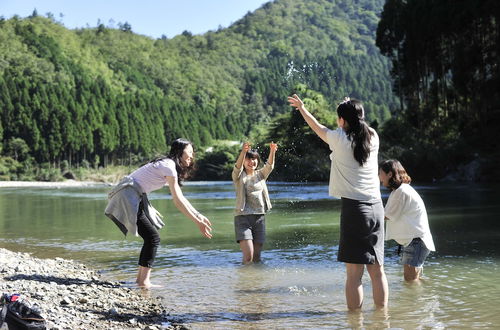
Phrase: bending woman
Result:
[131,211]
[354,179]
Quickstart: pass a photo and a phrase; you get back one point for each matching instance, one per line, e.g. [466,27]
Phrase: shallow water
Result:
[300,283]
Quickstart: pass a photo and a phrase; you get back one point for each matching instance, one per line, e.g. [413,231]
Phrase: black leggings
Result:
[150,236]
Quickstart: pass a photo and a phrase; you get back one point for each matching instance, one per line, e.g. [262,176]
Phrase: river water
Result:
[299,284]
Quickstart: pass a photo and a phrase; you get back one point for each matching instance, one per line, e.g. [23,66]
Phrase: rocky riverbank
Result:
[72,296]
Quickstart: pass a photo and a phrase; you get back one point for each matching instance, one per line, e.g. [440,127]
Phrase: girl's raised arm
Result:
[241,157]
[318,128]
[272,152]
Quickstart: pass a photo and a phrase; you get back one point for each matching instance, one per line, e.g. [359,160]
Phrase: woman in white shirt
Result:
[354,179]
[406,217]
[131,211]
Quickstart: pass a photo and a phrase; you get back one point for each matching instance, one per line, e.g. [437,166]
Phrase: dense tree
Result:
[112,95]
[446,70]
[303,155]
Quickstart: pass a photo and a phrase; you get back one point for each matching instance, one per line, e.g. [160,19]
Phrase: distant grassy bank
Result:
[13,170]
[213,163]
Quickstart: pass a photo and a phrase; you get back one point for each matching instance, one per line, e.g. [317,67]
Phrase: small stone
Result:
[66,301]
[83,300]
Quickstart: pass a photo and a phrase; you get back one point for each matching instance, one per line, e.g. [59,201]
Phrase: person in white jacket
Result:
[406,217]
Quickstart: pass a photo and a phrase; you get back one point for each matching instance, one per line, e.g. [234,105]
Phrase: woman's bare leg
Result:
[380,287]
[353,286]
[411,274]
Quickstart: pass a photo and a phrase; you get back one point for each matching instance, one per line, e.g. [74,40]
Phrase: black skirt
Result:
[361,232]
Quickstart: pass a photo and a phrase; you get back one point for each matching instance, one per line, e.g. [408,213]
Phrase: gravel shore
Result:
[72,296]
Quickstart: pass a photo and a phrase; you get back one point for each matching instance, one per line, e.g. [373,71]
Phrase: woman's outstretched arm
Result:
[318,128]
[187,209]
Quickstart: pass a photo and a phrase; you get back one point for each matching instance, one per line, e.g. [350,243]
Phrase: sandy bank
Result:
[72,296]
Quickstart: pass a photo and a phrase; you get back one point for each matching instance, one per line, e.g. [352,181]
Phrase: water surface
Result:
[300,283]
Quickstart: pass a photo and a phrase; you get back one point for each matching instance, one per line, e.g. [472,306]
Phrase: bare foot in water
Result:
[143,278]
[148,285]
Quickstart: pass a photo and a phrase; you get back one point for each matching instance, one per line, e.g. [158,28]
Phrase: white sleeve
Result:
[167,168]
[332,137]
[396,205]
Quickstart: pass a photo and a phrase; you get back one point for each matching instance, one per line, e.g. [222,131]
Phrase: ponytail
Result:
[357,131]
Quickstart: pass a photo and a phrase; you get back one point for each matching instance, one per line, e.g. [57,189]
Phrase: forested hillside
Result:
[109,95]
[446,70]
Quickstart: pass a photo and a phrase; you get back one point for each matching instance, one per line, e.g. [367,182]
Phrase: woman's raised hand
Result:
[273,146]
[295,101]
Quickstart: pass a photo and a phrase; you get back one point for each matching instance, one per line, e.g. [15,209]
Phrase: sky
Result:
[152,18]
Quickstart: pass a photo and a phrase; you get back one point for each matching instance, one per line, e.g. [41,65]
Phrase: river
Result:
[299,284]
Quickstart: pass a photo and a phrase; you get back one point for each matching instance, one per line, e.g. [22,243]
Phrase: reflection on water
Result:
[300,284]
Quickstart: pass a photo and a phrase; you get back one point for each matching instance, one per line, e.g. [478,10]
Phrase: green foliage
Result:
[109,96]
[217,163]
[302,155]
[47,173]
[445,57]
[9,168]
[17,148]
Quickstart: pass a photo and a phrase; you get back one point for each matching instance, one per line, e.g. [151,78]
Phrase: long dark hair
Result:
[399,174]
[176,149]
[358,131]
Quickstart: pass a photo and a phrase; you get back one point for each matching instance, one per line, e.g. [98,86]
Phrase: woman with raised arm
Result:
[354,179]
[130,210]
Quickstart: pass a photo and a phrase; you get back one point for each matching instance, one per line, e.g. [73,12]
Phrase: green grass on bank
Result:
[14,170]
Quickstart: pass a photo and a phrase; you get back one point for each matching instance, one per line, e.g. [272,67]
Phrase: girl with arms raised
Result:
[252,200]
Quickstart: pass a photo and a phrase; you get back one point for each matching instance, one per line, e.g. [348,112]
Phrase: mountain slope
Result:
[109,94]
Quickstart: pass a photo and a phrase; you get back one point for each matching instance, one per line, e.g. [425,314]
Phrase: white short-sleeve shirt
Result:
[347,178]
[407,217]
[152,175]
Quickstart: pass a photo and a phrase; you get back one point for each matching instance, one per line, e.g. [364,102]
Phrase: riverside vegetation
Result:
[103,95]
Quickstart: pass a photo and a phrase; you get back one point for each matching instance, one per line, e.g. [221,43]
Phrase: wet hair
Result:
[176,150]
[358,131]
[399,175]
[253,154]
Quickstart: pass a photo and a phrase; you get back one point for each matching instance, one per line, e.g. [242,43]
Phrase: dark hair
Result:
[357,131]
[399,175]
[176,150]
[253,154]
